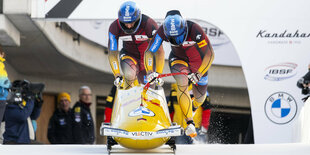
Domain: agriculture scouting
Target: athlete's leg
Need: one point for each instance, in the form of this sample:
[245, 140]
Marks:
[183, 95]
[141, 75]
[130, 69]
[200, 91]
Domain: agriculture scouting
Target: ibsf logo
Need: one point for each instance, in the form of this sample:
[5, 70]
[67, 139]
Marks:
[280, 108]
[280, 71]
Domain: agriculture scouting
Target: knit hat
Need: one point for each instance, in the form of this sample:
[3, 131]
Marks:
[65, 95]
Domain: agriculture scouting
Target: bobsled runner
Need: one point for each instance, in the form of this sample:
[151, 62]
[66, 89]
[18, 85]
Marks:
[140, 119]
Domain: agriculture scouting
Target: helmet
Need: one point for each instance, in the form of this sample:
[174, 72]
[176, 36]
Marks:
[175, 27]
[129, 13]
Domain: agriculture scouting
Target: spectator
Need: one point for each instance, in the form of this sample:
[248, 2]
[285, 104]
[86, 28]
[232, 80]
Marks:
[4, 85]
[83, 124]
[60, 124]
[22, 106]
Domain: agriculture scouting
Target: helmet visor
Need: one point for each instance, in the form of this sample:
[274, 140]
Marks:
[131, 30]
[177, 40]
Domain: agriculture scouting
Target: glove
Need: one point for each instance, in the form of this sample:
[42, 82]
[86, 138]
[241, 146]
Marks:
[194, 77]
[152, 78]
[118, 81]
[159, 82]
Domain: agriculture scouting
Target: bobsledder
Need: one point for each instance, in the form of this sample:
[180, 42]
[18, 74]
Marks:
[140, 119]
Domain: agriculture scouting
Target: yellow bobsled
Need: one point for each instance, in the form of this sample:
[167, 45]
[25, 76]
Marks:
[140, 119]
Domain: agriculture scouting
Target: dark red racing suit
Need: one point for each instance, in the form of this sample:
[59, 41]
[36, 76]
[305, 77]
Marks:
[194, 55]
[134, 45]
[192, 51]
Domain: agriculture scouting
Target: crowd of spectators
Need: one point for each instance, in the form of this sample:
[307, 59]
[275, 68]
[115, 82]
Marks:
[72, 126]
[66, 126]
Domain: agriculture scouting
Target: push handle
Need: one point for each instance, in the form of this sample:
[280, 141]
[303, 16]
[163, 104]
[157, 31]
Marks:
[146, 87]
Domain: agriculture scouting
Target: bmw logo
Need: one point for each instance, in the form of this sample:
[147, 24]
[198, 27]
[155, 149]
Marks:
[280, 108]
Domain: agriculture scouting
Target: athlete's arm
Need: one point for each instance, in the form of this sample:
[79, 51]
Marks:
[205, 45]
[207, 60]
[159, 55]
[148, 61]
[113, 54]
[160, 59]
[154, 51]
[114, 63]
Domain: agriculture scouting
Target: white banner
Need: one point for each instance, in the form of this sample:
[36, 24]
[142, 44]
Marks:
[274, 57]
[97, 31]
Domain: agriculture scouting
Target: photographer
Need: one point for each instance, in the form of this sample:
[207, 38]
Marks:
[302, 126]
[24, 101]
[304, 83]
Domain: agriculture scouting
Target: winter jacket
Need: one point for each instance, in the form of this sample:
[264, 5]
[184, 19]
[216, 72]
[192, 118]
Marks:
[60, 127]
[83, 124]
[16, 125]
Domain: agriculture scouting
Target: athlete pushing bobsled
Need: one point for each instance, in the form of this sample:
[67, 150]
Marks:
[140, 118]
[191, 54]
[135, 30]
[142, 121]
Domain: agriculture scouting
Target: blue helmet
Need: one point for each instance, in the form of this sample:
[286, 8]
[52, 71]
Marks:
[175, 27]
[129, 13]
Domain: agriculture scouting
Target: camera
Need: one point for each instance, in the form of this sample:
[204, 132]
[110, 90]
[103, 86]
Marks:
[300, 84]
[24, 90]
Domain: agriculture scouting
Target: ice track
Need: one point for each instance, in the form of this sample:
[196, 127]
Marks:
[202, 149]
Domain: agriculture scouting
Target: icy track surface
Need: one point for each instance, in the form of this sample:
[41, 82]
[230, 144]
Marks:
[203, 149]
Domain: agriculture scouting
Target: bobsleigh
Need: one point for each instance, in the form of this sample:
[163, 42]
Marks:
[140, 119]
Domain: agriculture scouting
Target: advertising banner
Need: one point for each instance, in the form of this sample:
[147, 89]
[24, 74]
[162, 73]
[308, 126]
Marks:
[97, 31]
[275, 57]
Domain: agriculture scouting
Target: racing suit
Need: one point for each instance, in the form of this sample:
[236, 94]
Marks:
[132, 54]
[195, 55]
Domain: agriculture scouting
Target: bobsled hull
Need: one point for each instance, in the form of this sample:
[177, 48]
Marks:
[141, 139]
[141, 121]
[141, 135]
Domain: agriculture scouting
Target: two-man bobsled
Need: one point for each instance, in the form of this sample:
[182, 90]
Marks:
[140, 119]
